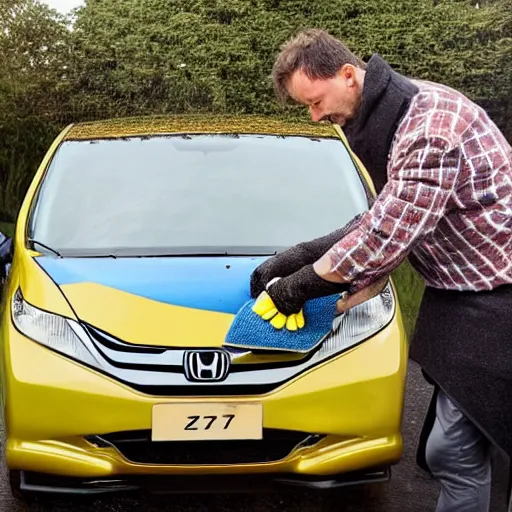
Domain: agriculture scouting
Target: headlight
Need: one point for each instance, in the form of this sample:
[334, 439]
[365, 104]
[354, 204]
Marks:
[359, 323]
[55, 332]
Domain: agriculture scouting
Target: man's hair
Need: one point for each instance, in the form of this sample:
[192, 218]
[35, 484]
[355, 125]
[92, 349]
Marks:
[314, 51]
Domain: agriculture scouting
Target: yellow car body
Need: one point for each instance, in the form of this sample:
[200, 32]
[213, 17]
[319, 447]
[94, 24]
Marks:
[96, 392]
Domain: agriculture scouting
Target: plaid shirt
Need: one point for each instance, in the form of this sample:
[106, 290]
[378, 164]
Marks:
[447, 203]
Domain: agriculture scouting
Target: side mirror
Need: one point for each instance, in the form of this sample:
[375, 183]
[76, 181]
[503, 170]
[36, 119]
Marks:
[5, 256]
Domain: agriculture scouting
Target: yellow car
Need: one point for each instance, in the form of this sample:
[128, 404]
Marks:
[132, 254]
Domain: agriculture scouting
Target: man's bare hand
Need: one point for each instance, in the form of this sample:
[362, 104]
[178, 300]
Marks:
[362, 296]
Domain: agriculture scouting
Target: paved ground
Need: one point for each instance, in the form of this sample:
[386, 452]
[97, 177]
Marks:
[410, 490]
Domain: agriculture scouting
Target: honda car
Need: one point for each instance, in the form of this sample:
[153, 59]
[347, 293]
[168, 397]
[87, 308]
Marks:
[131, 257]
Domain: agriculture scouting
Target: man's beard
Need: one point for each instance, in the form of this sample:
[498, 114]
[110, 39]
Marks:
[355, 112]
[342, 119]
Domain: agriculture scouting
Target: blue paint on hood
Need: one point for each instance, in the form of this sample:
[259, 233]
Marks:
[209, 283]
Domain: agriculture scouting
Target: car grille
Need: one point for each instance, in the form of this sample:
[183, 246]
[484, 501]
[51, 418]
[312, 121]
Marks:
[138, 447]
[160, 371]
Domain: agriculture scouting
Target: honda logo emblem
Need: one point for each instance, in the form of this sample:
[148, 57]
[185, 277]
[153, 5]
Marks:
[207, 365]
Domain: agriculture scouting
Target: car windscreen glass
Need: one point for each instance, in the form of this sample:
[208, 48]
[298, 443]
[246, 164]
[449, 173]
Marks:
[194, 194]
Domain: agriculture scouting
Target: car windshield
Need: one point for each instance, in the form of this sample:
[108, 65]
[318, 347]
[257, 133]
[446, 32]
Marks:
[194, 194]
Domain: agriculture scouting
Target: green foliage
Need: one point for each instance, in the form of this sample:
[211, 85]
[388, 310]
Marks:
[7, 229]
[494, 28]
[133, 57]
[181, 56]
[33, 51]
[410, 287]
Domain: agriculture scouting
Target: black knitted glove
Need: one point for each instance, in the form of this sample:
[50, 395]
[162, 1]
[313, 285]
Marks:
[296, 257]
[290, 293]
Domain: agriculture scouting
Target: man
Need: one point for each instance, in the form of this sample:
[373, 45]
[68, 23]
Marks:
[443, 172]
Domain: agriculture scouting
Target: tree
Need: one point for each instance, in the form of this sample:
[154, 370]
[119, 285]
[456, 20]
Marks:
[130, 57]
[137, 56]
[33, 52]
[157, 56]
[494, 31]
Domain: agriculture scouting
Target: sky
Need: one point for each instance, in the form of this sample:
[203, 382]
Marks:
[63, 6]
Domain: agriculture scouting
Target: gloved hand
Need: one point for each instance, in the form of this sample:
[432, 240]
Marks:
[265, 307]
[283, 301]
[295, 258]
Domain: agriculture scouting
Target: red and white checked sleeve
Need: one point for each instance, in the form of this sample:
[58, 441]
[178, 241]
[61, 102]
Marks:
[409, 207]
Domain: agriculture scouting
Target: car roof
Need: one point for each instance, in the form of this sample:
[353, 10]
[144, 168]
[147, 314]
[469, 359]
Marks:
[196, 124]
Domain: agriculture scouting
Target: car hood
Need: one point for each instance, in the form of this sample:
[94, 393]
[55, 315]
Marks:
[170, 301]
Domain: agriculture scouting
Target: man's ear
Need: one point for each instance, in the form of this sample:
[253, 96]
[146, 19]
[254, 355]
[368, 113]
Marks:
[348, 73]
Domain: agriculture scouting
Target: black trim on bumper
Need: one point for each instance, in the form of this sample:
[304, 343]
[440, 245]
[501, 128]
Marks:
[136, 446]
[180, 484]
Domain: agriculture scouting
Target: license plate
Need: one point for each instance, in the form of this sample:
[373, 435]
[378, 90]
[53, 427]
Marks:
[207, 421]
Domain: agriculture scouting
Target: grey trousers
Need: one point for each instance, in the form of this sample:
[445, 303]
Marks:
[459, 457]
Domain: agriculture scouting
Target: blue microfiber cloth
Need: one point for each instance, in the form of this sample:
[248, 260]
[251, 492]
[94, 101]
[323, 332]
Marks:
[250, 331]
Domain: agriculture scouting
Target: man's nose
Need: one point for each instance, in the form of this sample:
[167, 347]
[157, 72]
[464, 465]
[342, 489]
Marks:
[315, 115]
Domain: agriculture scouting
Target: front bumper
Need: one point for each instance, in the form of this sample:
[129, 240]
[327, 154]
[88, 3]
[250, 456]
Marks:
[56, 411]
[177, 484]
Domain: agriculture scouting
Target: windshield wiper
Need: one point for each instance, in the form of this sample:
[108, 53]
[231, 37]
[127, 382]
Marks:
[33, 243]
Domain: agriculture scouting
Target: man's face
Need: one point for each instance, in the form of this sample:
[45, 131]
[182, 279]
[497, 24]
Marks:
[333, 99]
